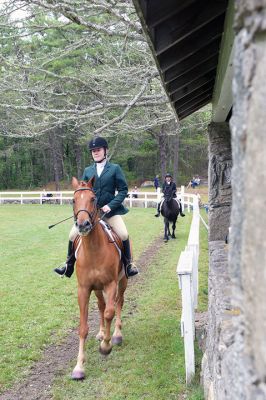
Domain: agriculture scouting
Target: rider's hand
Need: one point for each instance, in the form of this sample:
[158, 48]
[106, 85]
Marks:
[106, 209]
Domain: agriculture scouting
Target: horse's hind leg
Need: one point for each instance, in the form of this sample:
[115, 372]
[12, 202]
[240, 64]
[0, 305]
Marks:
[83, 300]
[101, 307]
[117, 337]
[109, 312]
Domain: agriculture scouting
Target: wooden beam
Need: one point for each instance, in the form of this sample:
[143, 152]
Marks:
[194, 86]
[193, 93]
[193, 109]
[191, 44]
[192, 97]
[188, 78]
[188, 21]
[193, 103]
[193, 74]
[198, 58]
[159, 11]
[223, 97]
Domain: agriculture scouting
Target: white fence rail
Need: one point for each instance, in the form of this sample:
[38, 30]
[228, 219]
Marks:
[139, 199]
[187, 271]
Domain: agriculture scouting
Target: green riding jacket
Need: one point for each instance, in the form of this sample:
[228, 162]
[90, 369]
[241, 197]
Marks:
[111, 180]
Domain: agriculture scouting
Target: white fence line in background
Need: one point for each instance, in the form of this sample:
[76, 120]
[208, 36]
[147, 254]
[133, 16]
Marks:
[145, 199]
[187, 271]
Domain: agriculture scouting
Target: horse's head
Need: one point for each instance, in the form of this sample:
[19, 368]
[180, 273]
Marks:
[84, 205]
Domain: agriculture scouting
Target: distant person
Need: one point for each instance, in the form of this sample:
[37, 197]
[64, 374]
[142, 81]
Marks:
[169, 187]
[197, 181]
[135, 193]
[156, 182]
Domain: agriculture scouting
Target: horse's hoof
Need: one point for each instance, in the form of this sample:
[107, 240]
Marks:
[99, 337]
[78, 375]
[105, 350]
[165, 240]
[117, 340]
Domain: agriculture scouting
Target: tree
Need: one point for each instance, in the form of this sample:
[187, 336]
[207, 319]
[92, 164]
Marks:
[73, 69]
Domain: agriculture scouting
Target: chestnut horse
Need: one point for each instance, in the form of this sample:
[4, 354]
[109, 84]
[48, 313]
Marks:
[99, 269]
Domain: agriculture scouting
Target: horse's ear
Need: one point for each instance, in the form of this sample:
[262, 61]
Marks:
[75, 183]
[91, 182]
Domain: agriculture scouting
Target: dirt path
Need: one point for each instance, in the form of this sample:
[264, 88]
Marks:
[56, 357]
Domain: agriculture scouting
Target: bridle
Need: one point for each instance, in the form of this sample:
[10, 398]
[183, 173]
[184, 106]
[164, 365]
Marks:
[92, 215]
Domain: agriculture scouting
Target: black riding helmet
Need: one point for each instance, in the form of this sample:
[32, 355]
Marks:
[97, 142]
[168, 176]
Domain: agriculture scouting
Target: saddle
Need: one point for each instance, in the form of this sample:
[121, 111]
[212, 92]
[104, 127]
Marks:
[112, 236]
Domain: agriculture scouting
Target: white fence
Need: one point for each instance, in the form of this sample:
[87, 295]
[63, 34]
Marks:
[187, 270]
[134, 199]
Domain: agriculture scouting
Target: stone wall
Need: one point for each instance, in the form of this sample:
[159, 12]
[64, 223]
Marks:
[220, 192]
[247, 262]
[234, 364]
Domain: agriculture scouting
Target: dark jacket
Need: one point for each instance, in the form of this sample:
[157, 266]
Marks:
[111, 179]
[156, 183]
[168, 189]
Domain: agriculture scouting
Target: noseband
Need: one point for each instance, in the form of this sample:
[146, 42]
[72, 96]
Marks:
[91, 215]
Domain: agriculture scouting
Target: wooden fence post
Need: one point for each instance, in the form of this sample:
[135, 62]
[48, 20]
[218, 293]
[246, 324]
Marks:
[184, 271]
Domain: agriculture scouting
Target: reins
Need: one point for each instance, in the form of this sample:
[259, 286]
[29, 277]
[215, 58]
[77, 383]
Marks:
[91, 215]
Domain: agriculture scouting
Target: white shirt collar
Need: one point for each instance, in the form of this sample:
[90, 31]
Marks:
[100, 166]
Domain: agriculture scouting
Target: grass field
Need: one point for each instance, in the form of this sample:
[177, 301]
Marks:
[37, 309]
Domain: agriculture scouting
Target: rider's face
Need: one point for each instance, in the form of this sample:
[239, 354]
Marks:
[168, 179]
[98, 154]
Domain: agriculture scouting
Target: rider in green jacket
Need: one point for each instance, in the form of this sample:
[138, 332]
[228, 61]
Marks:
[111, 189]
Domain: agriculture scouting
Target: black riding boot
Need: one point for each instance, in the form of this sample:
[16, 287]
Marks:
[130, 268]
[158, 210]
[68, 268]
[180, 209]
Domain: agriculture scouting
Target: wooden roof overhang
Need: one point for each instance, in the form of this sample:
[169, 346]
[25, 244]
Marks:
[185, 38]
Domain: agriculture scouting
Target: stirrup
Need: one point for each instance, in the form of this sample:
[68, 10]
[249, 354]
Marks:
[61, 270]
[131, 270]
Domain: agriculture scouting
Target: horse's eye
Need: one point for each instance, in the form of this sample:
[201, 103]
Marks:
[73, 201]
[92, 199]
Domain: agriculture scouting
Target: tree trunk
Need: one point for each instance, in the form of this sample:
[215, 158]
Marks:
[162, 150]
[176, 154]
[78, 157]
[52, 142]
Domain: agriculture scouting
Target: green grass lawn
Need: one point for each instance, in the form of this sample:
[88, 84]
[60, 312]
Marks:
[35, 303]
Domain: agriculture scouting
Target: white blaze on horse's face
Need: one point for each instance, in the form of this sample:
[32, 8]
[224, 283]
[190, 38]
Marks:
[85, 210]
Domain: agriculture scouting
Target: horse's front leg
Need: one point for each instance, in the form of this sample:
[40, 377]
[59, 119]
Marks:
[117, 337]
[173, 229]
[83, 300]
[166, 230]
[101, 307]
[109, 312]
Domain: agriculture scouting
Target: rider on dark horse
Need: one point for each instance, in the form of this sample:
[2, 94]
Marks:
[169, 190]
[111, 189]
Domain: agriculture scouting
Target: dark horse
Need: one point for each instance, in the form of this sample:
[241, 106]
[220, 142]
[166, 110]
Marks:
[169, 210]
